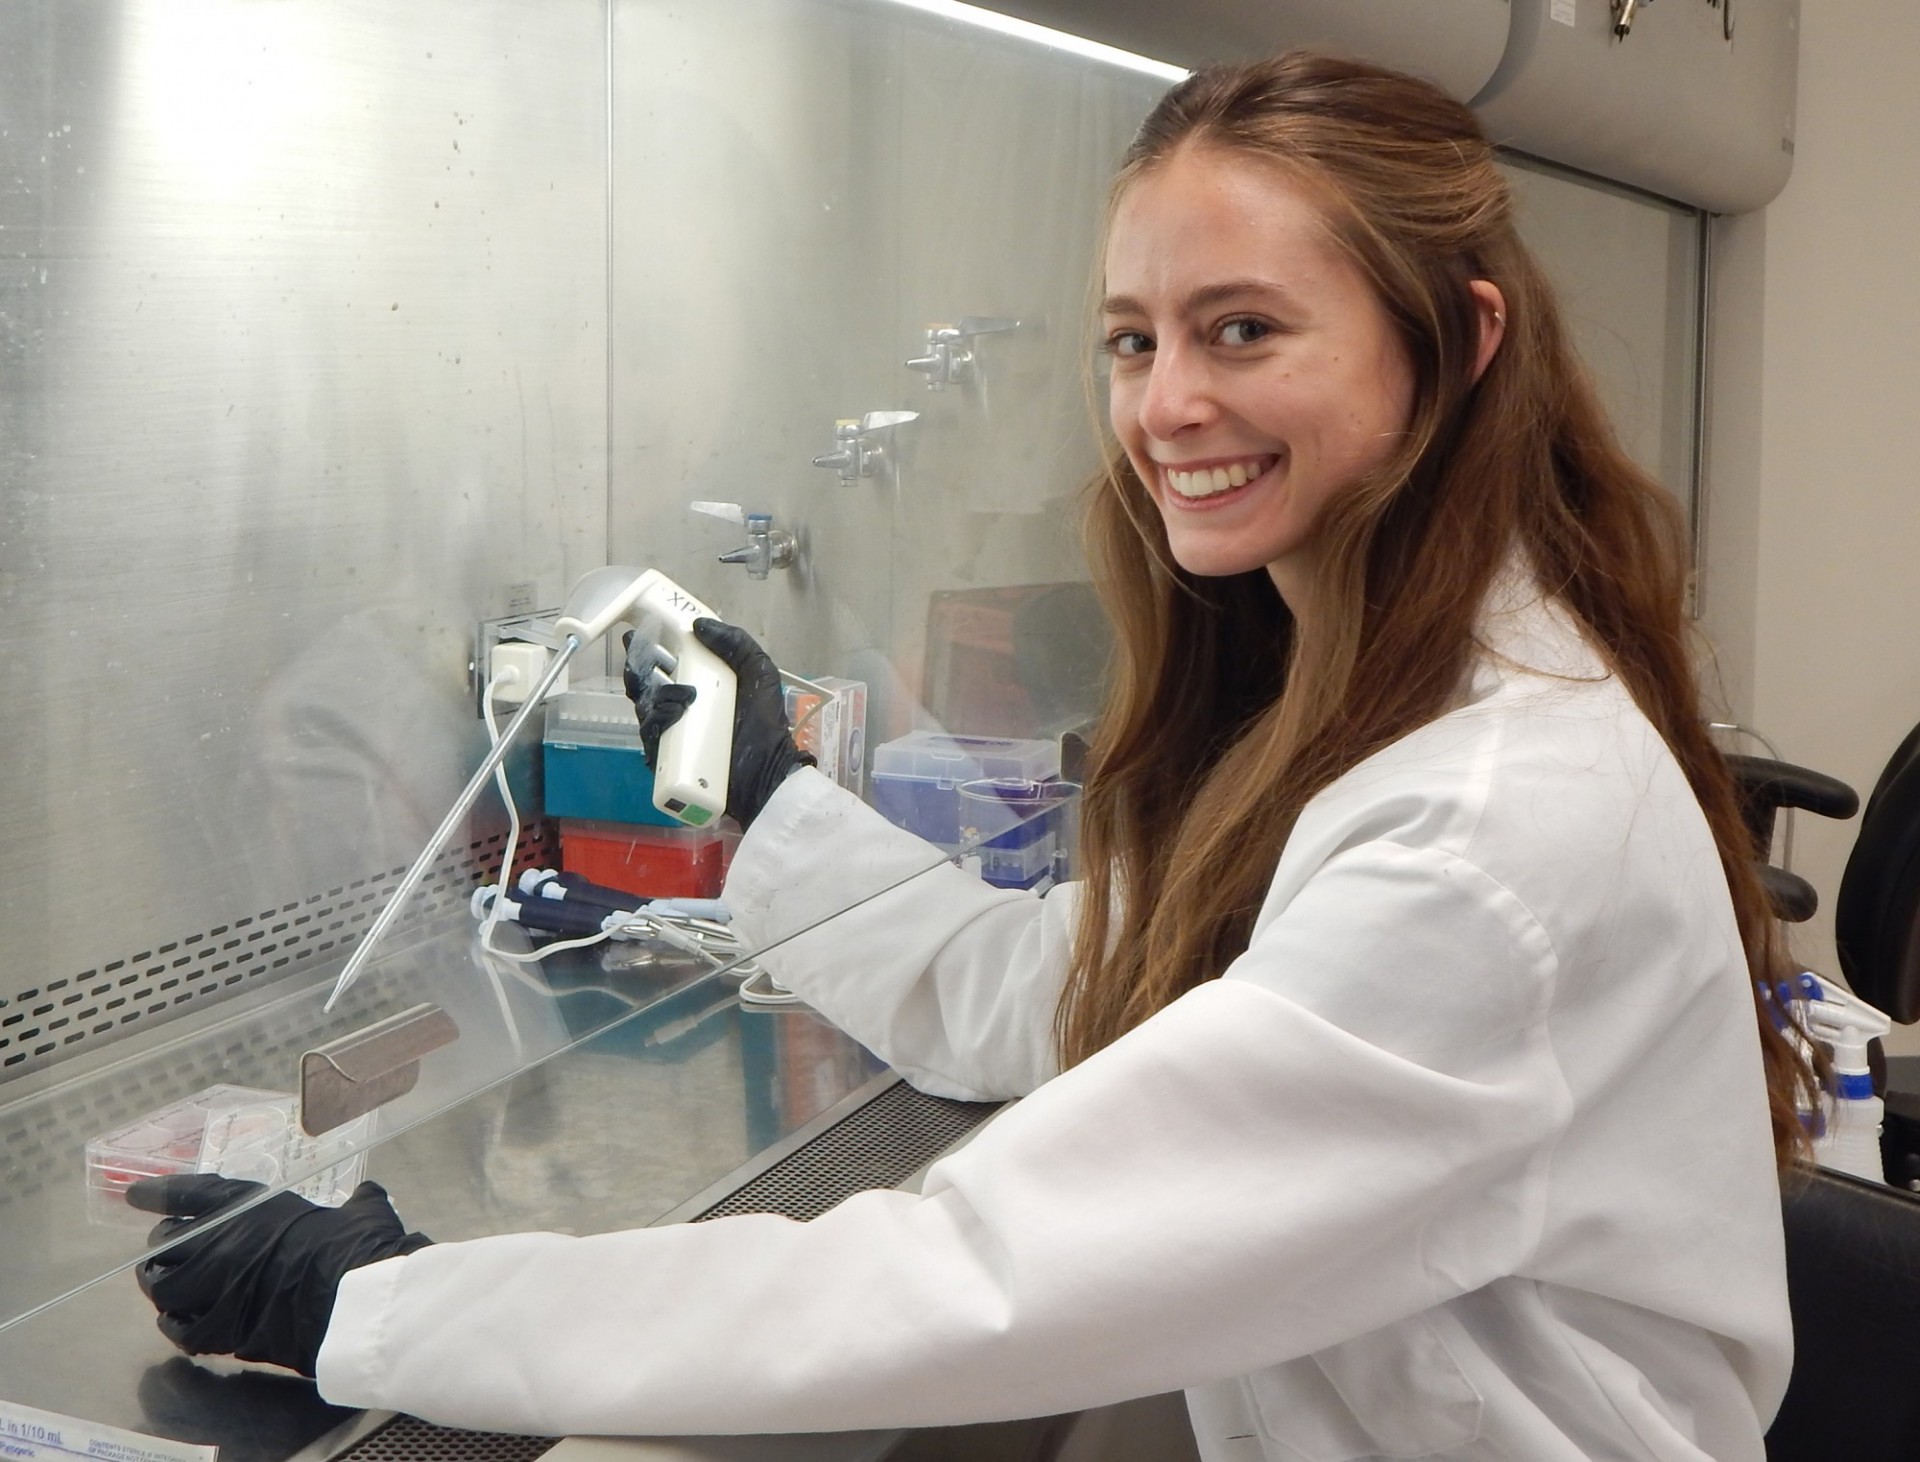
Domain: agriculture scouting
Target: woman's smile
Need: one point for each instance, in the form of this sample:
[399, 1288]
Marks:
[1197, 483]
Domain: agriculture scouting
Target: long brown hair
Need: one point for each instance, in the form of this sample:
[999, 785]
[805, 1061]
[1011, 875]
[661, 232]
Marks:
[1224, 716]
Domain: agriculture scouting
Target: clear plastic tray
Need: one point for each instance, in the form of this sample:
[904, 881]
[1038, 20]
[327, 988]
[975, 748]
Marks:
[261, 1138]
[236, 1131]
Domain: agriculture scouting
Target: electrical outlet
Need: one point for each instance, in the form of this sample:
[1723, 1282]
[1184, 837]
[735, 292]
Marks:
[534, 628]
[517, 667]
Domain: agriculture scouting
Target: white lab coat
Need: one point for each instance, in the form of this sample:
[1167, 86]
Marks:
[1467, 1156]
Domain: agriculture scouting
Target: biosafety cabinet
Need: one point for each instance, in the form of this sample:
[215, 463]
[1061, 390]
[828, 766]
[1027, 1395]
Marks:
[338, 341]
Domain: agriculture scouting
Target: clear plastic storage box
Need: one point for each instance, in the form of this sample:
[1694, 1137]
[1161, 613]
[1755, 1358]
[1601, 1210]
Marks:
[997, 798]
[1015, 827]
[917, 777]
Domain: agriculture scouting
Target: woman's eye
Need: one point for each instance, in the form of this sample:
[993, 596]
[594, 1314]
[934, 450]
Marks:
[1244, 332]
[1125, 344]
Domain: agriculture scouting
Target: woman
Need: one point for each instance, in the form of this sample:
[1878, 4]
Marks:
[1396, 1080]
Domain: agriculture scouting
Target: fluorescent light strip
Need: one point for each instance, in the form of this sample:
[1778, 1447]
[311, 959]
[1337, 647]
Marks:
[1040, 35]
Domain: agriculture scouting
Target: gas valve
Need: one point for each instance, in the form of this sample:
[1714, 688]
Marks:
[860, 450]
[949, 359]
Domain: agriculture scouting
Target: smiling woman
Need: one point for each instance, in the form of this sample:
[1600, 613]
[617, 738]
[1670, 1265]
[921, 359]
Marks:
[1314, 284]
[1255, 372]
[1416, 902]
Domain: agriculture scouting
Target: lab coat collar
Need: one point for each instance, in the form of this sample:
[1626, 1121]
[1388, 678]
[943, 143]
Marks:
[1524, 630]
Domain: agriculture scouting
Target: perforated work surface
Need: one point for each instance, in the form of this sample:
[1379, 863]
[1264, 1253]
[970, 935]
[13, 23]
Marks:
[880, 1145]
[405, 1439]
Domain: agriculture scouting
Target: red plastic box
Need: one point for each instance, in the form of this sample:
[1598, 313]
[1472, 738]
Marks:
[654, 862]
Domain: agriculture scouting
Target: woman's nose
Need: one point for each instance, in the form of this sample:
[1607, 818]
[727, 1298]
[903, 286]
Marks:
[1178, 395]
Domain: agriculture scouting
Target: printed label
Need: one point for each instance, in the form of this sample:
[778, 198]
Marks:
[27, 1435]
[1562, 11]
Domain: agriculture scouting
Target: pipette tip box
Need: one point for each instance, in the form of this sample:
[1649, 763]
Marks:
[652, 862]
[591, 762]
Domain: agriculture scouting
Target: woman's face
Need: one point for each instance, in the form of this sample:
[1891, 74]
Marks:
[1255, 374]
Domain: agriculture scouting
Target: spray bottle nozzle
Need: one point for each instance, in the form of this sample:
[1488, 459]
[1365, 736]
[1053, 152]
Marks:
[1844, 1022]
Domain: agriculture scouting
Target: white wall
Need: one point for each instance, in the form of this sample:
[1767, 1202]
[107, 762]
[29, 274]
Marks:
[1812, 579]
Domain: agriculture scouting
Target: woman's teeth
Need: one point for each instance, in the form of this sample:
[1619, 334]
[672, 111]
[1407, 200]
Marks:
[1207, 481]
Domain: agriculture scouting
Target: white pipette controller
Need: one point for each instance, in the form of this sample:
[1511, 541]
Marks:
[690, 772]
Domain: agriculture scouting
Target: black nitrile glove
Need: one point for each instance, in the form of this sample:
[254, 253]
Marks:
[261, 1285]
[656, 701]
[764, 755]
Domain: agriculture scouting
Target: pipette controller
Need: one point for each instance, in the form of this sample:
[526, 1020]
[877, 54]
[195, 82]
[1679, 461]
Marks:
[690, 771]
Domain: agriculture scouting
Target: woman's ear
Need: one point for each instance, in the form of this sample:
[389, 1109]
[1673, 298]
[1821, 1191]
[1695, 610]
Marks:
[1492, 308]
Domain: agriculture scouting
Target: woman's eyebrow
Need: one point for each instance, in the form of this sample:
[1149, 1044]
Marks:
[1205, 296]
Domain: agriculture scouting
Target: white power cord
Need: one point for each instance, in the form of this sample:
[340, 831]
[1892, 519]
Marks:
[501, 676]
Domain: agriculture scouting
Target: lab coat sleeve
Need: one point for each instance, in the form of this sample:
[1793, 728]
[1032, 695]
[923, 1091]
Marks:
[951, 981]
[1241, 1180]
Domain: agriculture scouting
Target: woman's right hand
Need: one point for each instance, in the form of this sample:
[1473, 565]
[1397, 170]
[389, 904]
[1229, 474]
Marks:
[763, 754]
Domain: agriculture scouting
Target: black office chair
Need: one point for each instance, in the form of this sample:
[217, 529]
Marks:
[1877, 918]
[1853, 1279]
[1877, 912]
[1853, 1247]
[1877, 933]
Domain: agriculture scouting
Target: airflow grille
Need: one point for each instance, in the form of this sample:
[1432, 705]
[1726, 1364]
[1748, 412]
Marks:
[407, 1439]
[45, 1023]
[879, 1145]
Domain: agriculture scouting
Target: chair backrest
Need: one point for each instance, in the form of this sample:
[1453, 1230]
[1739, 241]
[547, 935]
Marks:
[1877, 915]
[1853, 1277]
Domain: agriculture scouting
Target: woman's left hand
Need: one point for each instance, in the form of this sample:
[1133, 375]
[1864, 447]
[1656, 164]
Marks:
[260, 1285]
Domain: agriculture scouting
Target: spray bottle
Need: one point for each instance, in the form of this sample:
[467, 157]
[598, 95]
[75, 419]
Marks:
[1848, 1140]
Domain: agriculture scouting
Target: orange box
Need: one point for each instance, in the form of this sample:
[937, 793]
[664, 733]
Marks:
[654, 862]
